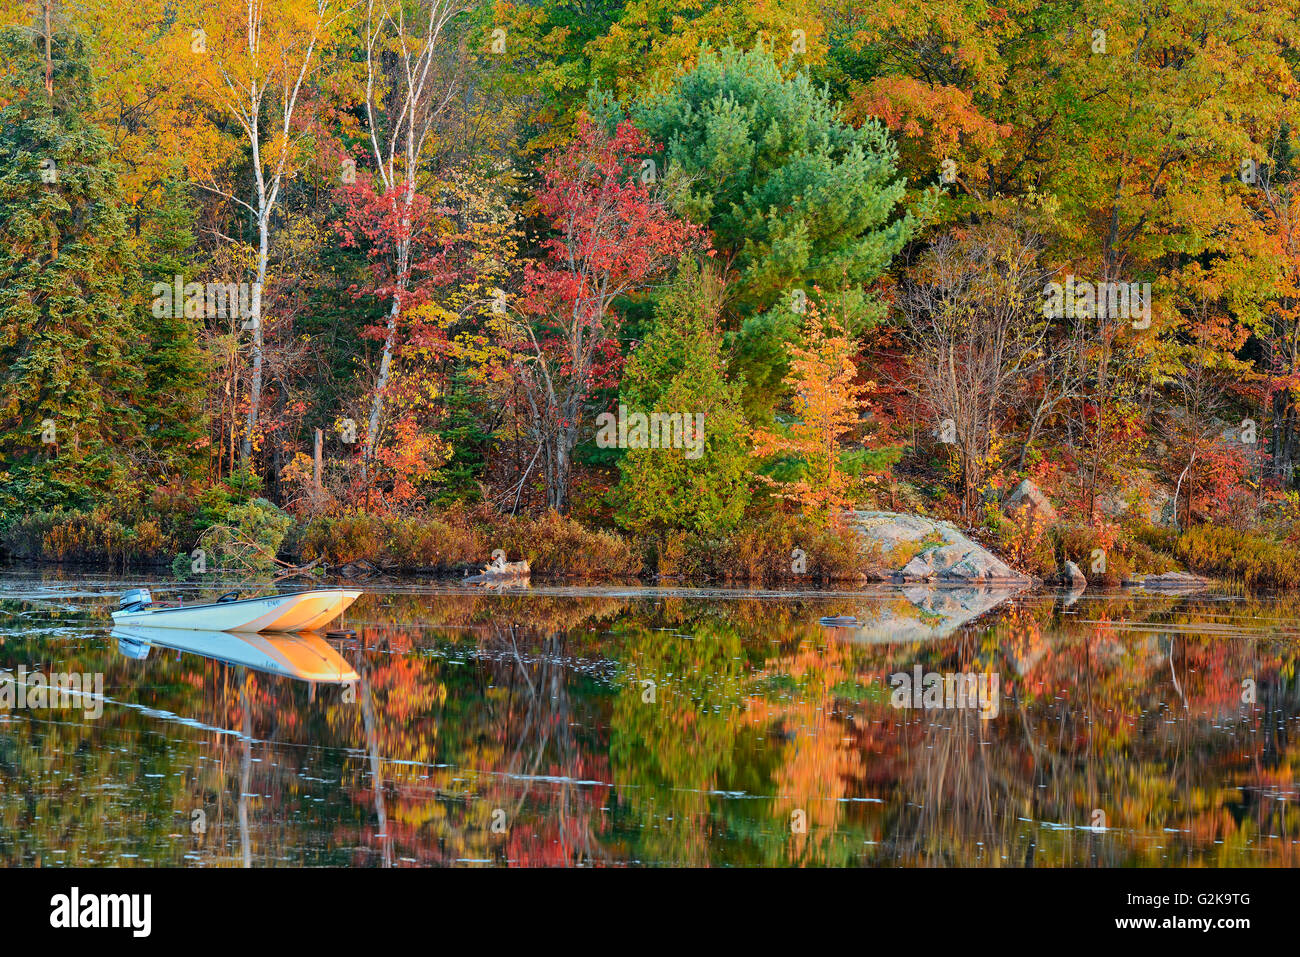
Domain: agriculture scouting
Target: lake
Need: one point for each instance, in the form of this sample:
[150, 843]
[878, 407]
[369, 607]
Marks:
[633, 726]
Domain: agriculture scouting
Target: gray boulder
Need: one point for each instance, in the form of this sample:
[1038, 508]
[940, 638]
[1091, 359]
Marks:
[1028, 497]
[1175, 582]
[918, 549]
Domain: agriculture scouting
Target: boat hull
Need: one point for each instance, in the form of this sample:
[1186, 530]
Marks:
[300, 611]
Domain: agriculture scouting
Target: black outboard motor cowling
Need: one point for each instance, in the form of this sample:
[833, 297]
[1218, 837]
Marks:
[135, 600]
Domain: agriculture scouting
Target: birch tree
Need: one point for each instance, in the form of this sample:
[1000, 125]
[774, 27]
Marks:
[260, 57]
[407, 90]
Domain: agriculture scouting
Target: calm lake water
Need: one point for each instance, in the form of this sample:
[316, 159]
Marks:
[632, 726]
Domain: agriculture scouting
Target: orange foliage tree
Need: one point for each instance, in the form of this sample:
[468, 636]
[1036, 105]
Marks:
[810, 462]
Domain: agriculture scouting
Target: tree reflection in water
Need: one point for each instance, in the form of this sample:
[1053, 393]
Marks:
[661, 728]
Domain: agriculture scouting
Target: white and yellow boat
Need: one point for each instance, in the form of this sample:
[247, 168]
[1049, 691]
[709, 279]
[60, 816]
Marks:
[295, 611]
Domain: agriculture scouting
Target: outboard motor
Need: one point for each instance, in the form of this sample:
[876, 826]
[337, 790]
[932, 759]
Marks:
[135, 600]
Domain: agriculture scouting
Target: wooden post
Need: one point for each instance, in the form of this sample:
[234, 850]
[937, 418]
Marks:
[319, 440]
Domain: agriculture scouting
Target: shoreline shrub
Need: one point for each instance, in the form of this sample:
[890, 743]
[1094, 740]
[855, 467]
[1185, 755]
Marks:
[86, 538]
[1242, 558]
[248, 540]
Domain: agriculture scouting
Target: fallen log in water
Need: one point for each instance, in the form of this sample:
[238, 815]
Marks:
[501, 572]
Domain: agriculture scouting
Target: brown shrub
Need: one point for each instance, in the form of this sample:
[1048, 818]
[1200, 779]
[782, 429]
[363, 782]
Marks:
[455, 540]
[768, 552]
[557, 545]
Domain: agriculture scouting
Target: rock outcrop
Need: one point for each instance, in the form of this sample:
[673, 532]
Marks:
[1028, 497]
[918, 549]
[1073, 577]
[1142, 495]
[1176, 582]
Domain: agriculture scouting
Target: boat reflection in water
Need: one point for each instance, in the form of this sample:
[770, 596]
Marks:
[304, 656]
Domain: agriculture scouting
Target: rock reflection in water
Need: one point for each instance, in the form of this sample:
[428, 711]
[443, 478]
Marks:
[928, 612]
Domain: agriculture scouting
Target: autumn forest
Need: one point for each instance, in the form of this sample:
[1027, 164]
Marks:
[663, 287]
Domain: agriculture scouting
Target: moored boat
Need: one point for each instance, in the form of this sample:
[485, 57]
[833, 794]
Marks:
[295, 611]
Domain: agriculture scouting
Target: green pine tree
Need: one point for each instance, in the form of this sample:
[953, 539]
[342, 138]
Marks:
[464, 432]
[66, 384]
[174, 364]
[680, 369]
[796, 198]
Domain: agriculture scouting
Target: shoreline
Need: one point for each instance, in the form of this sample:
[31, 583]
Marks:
[776, 548]
[543, 583]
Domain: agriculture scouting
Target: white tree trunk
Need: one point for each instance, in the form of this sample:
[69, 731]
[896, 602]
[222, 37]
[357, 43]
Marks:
[255, 385]
[390, 337]
[381, 385]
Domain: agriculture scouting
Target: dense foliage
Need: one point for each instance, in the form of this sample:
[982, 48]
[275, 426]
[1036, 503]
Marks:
[401, 259]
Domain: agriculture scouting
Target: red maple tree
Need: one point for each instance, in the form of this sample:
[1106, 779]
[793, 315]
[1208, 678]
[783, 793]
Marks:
[410, 250]
[613, 235]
